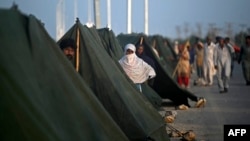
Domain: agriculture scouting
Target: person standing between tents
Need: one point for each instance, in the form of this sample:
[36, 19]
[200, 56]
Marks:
[232, 51]
[183, 67]
[136, 69]
[222, 63]
[208, 62]
[183, 74]
[141, 54]
[244, 59]
[68, 47]
[199, 55]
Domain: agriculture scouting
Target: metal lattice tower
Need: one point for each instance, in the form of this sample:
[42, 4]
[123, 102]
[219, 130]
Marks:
[212, 30]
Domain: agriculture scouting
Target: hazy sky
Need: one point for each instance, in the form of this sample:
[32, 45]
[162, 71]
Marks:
[164, 15]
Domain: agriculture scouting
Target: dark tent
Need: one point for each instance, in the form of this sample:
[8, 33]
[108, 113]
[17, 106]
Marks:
[110, 43]
[115, 51]
[42, 97]
[167, 43]
[164, 84]
[138, 119]
[166, 53]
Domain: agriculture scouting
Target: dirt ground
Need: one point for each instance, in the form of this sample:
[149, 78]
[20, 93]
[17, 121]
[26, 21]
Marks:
[221, 109]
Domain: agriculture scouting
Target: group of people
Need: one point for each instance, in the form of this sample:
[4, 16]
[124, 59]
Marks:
[136, 64]
[140, 68]
[212, 59]
[204, 62]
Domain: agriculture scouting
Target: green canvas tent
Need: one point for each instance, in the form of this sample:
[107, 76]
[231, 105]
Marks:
[42, 97]
[164, 84]
[166, 53]
[110, 43]
[135, 115]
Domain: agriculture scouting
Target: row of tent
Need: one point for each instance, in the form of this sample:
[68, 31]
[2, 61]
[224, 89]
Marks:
[43, 97]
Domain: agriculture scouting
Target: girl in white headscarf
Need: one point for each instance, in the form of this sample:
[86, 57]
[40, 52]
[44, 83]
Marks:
[136, 69]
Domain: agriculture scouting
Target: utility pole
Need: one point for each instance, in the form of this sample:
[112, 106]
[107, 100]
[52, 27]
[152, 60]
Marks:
[199, 31]
[89, 23]
[97, 13]
[212, 30]
[186, 30]
[178, 32]
[242, 32]
[129, 16]
[109, 14]
[146, 17]
[60, 19]
[229, 31]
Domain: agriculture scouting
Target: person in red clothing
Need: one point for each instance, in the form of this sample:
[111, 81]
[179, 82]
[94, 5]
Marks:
[183, 70]
[236, 49]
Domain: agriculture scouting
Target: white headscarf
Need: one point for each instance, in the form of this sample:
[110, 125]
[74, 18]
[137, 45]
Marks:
[136, 69]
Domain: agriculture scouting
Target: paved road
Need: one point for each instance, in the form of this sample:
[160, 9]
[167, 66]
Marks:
[230, 108]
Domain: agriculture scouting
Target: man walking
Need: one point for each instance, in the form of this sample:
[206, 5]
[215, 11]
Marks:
[199, 56]
[208, 62]
[232, 51]
[222, 63]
